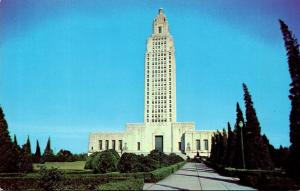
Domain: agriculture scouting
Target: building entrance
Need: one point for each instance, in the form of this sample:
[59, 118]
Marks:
[159, 143]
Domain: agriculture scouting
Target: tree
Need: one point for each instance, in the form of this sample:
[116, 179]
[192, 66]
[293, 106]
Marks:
[257, 154]
[27, 147]
[231, 144]
[223, 149]
[8, 156]
[238, 156]
[37, 155]
[48, 155]
[292, 49]
[64, 156]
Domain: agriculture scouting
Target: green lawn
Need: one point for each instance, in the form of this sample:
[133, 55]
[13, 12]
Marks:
[77, 165]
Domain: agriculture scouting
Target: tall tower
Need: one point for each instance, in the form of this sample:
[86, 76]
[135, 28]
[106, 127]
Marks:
[160, 74]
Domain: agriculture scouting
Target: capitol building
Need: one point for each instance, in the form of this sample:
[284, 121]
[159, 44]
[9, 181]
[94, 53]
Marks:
[160, 129]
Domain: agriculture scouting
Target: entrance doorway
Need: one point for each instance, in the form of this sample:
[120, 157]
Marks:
[159, 143]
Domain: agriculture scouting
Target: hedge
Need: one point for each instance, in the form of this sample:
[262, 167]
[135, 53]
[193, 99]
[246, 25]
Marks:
[129, 184]
[163, 172]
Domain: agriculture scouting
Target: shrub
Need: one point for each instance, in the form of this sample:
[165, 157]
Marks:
[130, 162]
[50, 178]
[130, 184]
[149, 164]
[115, 153]
[158, 156]
[173, 159]
[88, 163]
[104, 162]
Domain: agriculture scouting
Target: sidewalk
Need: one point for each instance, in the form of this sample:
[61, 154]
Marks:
[196, 176]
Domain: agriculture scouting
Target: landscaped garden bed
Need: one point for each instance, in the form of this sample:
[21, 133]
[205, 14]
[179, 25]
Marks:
[131, 176]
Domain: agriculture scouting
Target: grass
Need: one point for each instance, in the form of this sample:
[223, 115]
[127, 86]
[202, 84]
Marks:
[76, 166]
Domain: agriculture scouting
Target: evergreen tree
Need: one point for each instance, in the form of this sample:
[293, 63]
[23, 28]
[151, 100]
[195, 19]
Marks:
[257, 154]
[37, 155]
[212, 156]
[48, 155]
[15, 144]
[27, 147]
[238, 156]
[223, 147]
[25, 158]
[292, 48]
[8, 156]
[231, 144]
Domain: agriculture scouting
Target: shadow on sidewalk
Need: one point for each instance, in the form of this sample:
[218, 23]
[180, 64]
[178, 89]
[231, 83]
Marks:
[210, 178]
[173, 187]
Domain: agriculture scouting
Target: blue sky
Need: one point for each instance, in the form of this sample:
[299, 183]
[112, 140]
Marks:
[68, 68]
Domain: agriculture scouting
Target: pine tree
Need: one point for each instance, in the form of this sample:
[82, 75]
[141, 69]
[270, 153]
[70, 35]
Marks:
[8, 156]
[257, 154]
[292, 48]
[37, 155]
[48, 155]
[231, 144]
[238, 157]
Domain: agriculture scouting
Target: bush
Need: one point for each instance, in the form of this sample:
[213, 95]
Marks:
[88, 163]
[130, 184]
[115, 153]
[173, 159]
[105, 162]
[158, 156]
[50, 178]
[130, 162]
[148, 164]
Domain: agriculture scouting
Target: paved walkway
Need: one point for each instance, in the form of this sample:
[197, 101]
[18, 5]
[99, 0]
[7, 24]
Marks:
[196, 176]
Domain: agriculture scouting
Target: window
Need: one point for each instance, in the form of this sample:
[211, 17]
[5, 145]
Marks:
[106, 144]
[113, 144]
[100, 144]
[198, 147]
[179, 146]
[205, 144]
[159, 29]
[120, 144]
[138, 146]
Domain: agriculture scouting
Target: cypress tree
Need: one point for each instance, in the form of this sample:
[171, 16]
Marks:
[37, 155]
[48, 155]
[292, 49]
[238, 156]
[224, 147]
[231, 144]
[212, 156]
[257, 154]
[8, 155]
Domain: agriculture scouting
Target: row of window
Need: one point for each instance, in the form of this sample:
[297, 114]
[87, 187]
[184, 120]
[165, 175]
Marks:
[198, 145]
[113, 145]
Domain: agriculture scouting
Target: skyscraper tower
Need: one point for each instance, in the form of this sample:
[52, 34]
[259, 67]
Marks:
[160, 130]
[160, 74]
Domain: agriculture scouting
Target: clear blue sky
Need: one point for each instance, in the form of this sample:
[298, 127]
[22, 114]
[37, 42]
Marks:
[70, 67]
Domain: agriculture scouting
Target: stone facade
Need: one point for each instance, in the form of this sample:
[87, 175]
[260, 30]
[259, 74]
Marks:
[160, 129]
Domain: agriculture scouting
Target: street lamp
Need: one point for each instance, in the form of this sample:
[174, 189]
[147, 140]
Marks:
[241, 124]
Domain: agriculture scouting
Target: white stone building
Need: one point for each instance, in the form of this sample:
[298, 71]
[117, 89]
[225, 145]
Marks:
[160, 129]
